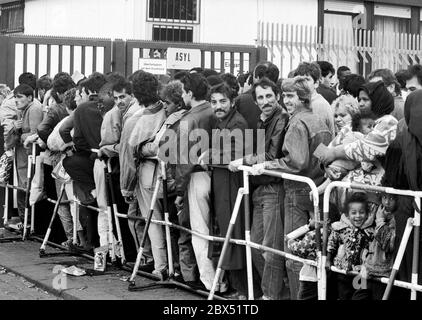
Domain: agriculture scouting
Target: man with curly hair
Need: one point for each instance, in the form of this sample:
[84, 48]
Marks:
[138, 174]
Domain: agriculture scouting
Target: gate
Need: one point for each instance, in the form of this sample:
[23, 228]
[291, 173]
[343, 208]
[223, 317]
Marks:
[361, 50]
[49, 55]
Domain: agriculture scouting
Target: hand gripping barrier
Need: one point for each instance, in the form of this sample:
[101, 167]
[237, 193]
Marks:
[244, 192]
[412, 223]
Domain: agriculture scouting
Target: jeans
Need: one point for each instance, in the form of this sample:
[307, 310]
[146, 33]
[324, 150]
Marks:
[155, 231]
[136, 228]
[297, 206]
[64, 212]
[308, 290]
[267, 229]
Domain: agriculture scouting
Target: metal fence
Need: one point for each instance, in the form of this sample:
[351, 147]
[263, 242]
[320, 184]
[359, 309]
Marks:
[362, 50]
[49, 55]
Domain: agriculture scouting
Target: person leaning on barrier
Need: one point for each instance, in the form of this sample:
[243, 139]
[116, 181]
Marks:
[138, 175]
[30, 116]
[184, 261]
[267, 220]
[56, 113]
[191, 178]
[111, 129]
[175, 108]
[304, 133]
[87, 120]
[225, 184]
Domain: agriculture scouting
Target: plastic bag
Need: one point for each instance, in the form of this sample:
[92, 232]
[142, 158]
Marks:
[37, 185]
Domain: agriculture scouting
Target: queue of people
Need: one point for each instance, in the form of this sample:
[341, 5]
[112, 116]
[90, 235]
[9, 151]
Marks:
[204, 126]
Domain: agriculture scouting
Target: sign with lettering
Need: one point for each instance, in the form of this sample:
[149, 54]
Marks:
[183, 59]
[154, 66]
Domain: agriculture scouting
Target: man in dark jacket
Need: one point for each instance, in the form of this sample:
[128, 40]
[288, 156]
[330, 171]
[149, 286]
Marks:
[304, 133]
[87, 121]
[245, 103]
[225, 184]
[196, 130]
[268, 216]
[324, 88]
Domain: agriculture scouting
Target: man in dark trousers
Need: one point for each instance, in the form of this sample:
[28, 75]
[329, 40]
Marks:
[268, 215]
[225, 184]
[87, 135]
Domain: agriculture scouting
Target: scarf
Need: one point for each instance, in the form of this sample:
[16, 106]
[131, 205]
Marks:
[381, 98]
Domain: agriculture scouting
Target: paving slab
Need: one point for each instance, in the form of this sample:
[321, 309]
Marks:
[22, 259]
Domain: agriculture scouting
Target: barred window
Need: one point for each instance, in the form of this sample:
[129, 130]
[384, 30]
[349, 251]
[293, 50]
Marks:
[172, 33]
[173, 11]
[11, 17]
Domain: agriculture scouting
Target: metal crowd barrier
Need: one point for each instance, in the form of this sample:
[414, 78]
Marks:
[243, 193]
[30, 172]
[412, 223]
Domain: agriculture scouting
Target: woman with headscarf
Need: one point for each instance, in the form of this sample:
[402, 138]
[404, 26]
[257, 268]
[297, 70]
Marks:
[403, 170]
[376, 102]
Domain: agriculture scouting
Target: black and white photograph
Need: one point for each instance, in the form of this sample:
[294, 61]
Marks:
[205, 156]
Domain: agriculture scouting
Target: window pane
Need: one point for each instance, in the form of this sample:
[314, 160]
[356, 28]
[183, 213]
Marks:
[173, 9]
[174, 34]
[11, 19]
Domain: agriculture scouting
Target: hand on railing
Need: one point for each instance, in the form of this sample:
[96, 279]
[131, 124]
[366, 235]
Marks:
[235, 164]
[29, 140]
[179, 203]
[106, 152]
[257, 169]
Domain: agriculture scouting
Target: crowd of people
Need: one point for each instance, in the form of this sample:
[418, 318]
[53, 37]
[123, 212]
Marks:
[357, 130]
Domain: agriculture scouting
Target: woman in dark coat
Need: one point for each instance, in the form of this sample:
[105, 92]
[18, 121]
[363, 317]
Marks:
[403, 167]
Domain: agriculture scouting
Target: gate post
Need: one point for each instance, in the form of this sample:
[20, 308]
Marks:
[7, 62]
[259, 54]
[119, 57]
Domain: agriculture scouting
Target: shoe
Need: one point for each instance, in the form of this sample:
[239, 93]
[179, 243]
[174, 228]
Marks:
[163, 275]
[67, 243]
[196, 285]
[79, 249]
[178, 277]
[146, 267]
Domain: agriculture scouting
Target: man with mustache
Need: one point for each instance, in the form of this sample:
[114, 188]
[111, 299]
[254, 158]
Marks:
[304, 133]
[225, 184]
[268, 216]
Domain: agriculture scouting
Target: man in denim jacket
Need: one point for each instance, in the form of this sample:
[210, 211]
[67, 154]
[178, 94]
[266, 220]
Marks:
[305, 131]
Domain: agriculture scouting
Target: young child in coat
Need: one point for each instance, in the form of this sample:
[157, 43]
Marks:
[349, 239]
